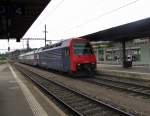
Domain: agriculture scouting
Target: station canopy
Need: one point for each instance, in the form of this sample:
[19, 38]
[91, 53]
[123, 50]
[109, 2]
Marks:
[130, 31]
[16, 16]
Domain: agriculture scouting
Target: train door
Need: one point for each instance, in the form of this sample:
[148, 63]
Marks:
[36, 59]
[66, 59]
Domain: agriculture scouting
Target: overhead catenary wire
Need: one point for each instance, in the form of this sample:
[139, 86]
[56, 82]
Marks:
[102, 15]
[49, 13]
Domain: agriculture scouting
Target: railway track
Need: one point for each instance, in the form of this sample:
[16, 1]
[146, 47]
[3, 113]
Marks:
[131, 87]
[77, 102]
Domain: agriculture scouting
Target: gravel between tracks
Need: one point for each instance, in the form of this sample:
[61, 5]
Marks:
[120, 99]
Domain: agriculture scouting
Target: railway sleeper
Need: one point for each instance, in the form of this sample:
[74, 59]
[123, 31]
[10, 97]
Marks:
[72, 100]
[84, 108]
[64, 96]
[60, 92]
[92, 111]
[79, 104]
[146, 91]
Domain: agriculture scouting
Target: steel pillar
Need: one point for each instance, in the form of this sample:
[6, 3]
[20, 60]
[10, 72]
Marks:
[123, 53]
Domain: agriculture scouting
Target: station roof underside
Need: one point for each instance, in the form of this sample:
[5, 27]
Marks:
[20, 14]
[126, 32]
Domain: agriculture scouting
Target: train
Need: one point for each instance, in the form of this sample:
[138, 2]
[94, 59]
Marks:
[74, 56]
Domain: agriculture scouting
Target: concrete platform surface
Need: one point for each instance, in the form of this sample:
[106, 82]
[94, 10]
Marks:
[18, 97]
[137, 72]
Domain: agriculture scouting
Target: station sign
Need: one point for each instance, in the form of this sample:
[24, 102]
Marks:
[2, 10]
[17, 10]
[12, 9]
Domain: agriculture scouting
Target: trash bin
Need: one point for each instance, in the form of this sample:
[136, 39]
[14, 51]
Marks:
[127, 64]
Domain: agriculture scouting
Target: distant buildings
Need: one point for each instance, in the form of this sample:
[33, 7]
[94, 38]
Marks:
[137, 50]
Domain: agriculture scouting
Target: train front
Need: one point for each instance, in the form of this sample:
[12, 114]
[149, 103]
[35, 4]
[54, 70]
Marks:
[83, 60]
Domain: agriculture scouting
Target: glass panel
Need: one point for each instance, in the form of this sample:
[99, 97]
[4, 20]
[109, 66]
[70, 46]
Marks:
[82, 48]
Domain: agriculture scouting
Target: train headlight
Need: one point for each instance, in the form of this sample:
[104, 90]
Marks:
[93, 63]
[78, 64]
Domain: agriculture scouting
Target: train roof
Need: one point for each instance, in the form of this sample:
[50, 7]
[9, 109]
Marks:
[62, 44]
[27, 53]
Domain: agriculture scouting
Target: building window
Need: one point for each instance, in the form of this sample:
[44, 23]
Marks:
[136, 54]
[101, 55]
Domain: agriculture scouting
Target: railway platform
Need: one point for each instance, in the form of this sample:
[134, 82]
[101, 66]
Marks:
[19, 97]
[135, 72]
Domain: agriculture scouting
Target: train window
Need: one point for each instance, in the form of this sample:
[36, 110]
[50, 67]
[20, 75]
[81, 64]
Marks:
[82, 48]
[66, 52]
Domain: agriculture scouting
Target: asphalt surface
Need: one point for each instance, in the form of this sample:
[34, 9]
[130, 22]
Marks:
[19, 97]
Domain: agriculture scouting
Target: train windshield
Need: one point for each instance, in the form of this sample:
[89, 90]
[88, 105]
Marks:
[82, 48]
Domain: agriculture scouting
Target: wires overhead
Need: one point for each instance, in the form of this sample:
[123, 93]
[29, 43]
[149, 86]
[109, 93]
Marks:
[104, 14]
[51, 12]
[47, 12]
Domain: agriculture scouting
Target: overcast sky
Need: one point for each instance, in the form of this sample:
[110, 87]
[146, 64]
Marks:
[74, 18]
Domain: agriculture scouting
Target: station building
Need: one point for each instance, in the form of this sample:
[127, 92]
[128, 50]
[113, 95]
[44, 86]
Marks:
[137, 50]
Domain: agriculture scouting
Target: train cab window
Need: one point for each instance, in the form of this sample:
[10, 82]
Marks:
[82, 48]
[66, 52]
